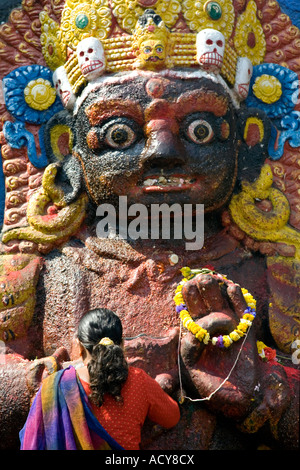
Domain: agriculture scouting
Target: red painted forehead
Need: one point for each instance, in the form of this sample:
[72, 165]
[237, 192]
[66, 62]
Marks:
[157, 98]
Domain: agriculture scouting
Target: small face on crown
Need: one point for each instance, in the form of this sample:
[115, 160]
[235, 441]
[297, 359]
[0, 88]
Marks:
[151, 42]
[152, 54]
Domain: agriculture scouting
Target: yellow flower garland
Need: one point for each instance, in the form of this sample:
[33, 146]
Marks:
[200, 333]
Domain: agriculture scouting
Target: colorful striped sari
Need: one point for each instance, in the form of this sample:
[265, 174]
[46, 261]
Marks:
[60, 418]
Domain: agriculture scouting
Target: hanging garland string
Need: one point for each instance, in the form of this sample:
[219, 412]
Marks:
[202, 334]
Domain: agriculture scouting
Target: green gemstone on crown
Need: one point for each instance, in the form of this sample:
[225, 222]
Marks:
[214, 10]
[81, 21]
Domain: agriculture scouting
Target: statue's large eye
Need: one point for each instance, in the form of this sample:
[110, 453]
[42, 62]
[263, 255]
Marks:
[200, 131]
[119, 134]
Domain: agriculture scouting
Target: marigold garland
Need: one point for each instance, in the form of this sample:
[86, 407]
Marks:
[200, 333]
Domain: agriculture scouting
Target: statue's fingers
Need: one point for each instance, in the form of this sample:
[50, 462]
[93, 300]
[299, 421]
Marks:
[237, 300]
[203, 295]
[193, 299]
[210, 292]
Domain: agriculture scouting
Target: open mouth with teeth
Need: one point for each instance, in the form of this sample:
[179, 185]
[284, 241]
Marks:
[167, 183]
[91, 66]
[211, 58]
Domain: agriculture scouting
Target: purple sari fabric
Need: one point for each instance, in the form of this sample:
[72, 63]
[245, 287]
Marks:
[61, 418]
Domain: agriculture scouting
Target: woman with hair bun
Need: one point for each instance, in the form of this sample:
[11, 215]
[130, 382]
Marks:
[101, 405]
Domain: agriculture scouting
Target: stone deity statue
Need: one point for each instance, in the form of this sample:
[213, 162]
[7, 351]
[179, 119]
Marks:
[119, 107]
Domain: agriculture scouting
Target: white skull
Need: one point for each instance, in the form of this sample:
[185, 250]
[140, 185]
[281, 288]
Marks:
[210, 45]
[244, 70]
[91, 58]
[63, 87]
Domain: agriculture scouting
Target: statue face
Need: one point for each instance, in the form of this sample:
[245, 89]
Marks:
[152, 54]
[158, 140]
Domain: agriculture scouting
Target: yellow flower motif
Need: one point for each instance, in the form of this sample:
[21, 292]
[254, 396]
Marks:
[248, 297]
[242, 327]
[227, 341]
[81, 19]
[186, 322]
[201, 334]
[248, 316]
[194, 328]
[201, 14]
[206, 338]
[267, 88]
[249, 39]
[252, 304]
[239, 331]
[39, 94]
[184, 314]
[260, 346]
[179, 288]
[186, 272]
[178, 298]
[234, 335]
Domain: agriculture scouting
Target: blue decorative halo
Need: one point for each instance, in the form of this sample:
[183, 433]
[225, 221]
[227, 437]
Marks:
[14, 85]
[289, 86]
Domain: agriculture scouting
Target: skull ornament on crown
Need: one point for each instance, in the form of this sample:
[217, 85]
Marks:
[91, 58]
[243, 76]
[210, 45]
[63, 88]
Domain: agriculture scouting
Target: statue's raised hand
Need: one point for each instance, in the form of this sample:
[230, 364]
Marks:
[220, 358]
[219, 320]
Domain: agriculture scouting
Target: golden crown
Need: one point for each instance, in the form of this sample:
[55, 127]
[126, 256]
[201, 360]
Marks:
[116, 24]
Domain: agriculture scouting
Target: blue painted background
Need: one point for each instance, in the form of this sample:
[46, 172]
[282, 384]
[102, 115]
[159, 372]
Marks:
[292, 9]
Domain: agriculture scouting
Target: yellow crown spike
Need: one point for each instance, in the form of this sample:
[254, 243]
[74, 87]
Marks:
[53, 46]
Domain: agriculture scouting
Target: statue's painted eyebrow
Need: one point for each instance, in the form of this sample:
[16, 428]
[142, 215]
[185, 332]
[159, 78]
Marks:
[201, 100]
[104, 109]
[189, 102]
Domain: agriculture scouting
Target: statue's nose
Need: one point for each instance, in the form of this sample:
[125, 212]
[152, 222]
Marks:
[163, 147]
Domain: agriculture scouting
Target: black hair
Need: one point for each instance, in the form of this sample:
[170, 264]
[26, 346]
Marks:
[149, 13]
[108, 369]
